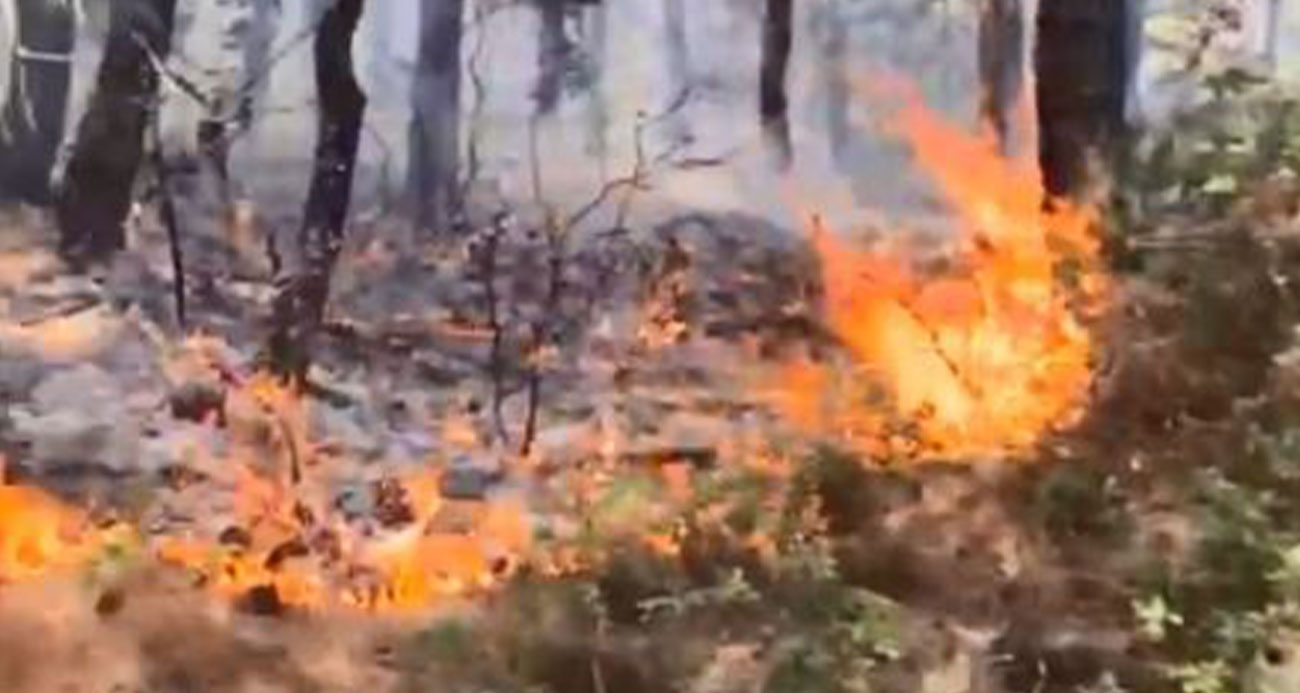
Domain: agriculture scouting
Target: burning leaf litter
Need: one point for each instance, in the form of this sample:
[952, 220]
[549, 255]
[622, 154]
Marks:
[978, 357]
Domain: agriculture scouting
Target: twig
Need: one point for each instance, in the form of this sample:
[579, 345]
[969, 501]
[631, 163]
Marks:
[491, 246]
[289, 47]
[637, 179]
[167, 209]
[159, 66]
[534, 159]
[543, 330]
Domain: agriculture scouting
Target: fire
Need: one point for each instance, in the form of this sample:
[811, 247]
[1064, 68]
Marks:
[41, 535]
[979, 356]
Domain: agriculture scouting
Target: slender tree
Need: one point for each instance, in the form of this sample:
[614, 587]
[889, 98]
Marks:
[96, 195]
[596, 37]
[1001, 64]
[31, 124]
[1082, 65]
[435, 123]
[299, 306]
[773, 103]
[835, 82]
[553, 49]
[679, 65]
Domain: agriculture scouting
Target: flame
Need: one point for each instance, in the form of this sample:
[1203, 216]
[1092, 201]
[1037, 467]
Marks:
[40, 535]
[979, 357]
[293, 541]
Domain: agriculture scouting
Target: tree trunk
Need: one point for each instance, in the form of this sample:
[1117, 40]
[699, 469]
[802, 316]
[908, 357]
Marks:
[596, 36]
[96, 194]
[835, 82]
[1001, 64]
[679, 67]
[1081, 64]
[773, 104]
[553, 48]
[31, 125]
[257, 54]
[435, 125]
[299, 307]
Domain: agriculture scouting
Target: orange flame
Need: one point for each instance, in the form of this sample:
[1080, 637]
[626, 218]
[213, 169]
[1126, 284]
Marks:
[980, 357]
[40, 535]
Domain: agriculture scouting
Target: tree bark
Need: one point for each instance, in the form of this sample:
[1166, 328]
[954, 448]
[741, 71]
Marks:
[32, 123]
[299, 306]
[553, 48]
[1001, 64]
[96, 193]
[1081, 62]
[773, 104]
[433, 169]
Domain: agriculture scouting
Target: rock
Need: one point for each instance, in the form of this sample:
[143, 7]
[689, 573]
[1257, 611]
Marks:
[470, 478]
[76, 417]
[354, 501]
[262, 600]
[182, 451]
[18, 376]
[392, 506]
[348, 430]
[198, 402]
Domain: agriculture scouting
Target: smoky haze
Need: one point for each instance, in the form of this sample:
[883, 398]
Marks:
[626, 60]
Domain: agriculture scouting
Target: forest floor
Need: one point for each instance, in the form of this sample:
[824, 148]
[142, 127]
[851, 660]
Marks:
[694, 541]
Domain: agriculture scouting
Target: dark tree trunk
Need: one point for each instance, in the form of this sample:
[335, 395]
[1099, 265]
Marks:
[299, 307]
[553, 49]
[31, 125]
[1001, 64]
[433, 168]
[773, 104]
[96, 194]
[1082, 68]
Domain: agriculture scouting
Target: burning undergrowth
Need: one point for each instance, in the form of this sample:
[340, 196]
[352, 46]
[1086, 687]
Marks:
[981, 347]
[977, 352]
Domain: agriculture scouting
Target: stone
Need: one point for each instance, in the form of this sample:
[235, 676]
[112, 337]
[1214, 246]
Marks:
[470, 478]
[76, 417]
[198, 402]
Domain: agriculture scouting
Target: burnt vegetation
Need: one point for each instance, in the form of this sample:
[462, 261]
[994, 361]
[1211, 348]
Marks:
[608, 422]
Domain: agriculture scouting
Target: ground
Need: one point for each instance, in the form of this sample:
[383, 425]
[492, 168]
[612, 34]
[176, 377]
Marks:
[681, 534]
